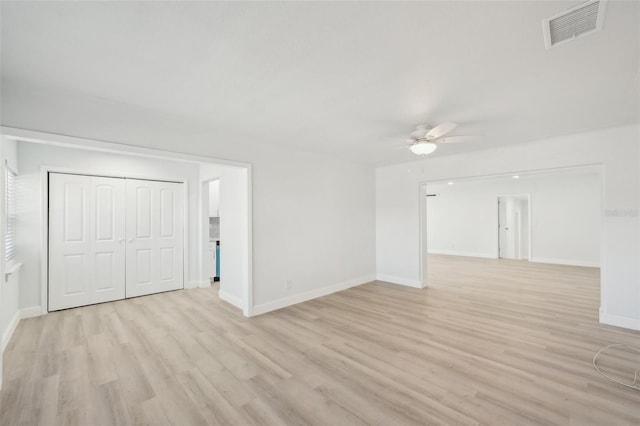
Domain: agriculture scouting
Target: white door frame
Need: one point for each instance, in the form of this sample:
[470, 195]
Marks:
[529, 228]
[132, 150]
[422, 214]
[44, 261]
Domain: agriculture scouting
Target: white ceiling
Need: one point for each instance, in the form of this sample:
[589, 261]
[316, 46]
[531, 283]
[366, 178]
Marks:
[349, 80]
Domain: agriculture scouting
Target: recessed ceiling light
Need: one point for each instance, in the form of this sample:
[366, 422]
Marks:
[449, 183]
[516, 177]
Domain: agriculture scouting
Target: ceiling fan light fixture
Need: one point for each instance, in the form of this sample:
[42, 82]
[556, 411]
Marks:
[423, 148]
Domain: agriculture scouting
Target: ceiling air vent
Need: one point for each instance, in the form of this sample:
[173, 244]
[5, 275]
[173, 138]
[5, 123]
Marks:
[578, 21]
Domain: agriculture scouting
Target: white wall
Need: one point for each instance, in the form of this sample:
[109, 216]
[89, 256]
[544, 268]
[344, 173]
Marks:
[234, 231]
[398, 200]
[314, 225]
[566, 216]
[567, 222]
[462, 221]
[313, 216]
[32, 156]
[214, 198]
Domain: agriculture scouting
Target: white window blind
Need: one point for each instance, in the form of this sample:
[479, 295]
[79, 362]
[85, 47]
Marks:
[10, 210]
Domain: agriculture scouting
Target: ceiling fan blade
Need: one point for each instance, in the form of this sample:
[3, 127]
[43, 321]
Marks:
[440, 131]
[458, 139]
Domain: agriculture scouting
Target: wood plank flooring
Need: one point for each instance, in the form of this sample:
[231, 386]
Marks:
[489, 342]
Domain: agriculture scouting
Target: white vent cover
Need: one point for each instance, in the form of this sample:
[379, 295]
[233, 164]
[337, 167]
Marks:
[578, 21]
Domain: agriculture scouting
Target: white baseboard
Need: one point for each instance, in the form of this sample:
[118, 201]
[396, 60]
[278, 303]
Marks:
[619, 321]
[464, 253]
[204, 284]
[33, 311]
[568, 262]
[11, 327]
[400, 281]
[230, 298]
[263, 308]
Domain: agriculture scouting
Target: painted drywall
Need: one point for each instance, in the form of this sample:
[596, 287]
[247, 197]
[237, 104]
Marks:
[567, 221]
[31, 158]
[315, 218]
[232, 184]
[214, 198]
[461, 221]
[10, 314]
[398, 244]
[566, 216]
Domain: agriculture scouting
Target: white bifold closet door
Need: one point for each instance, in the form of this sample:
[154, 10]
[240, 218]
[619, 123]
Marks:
[111, 238]
[155, 217]
[86, 240]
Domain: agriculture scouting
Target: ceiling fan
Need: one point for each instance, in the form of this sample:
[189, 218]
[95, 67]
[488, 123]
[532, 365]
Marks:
[424, 139]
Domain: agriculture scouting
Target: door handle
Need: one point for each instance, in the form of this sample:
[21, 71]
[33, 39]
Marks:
[121, 240]
[130, 240]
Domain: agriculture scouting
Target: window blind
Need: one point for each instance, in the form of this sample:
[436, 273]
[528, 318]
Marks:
[10, 210]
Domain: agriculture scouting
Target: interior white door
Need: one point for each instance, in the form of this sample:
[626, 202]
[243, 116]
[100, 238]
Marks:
[508, 227]
[502, 220]
[86, 240]
[155, 245]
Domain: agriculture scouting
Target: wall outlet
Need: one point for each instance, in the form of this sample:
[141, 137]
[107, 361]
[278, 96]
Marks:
[289, 284]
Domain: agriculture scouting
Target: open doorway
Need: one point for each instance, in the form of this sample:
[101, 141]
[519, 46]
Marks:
[551, 217]
[513, 227]
[212, 259]
[225, 232]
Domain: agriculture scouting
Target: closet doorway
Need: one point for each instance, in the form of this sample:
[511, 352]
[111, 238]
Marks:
[112, 238]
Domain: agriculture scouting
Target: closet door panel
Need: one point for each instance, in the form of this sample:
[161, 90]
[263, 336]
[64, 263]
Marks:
[170, 241]
[141, 245]
[86, 240]
[69, 241]
[107, 211]
[154, 237]
[112, 238]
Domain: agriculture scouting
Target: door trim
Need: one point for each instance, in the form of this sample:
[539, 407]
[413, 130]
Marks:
[44, 261]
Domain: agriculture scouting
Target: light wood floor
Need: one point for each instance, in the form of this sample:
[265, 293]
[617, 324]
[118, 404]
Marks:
[491, 342]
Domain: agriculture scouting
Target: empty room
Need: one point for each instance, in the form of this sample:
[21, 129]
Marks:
[324, 213]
